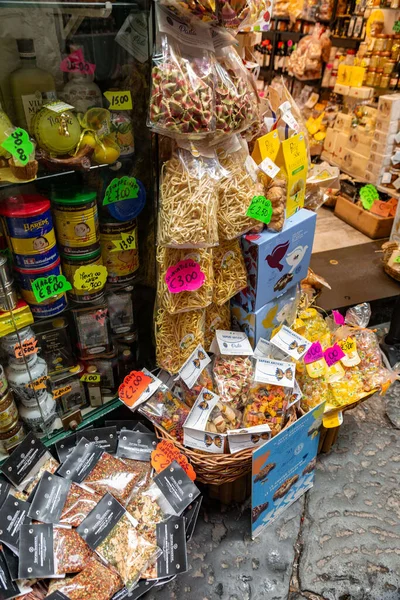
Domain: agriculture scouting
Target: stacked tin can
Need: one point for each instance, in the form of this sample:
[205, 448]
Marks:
[11, 428]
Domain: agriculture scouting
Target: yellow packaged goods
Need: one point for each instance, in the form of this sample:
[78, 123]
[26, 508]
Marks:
[179, 302]
[296, 164]
[349, 389]
[177, 336]
[217, 317]
[230, 275]
[314, 326]
[188, 202]
[314, 391]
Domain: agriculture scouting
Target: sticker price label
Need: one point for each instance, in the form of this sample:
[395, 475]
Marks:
[38, 384]
[46, 287]
[260, 209]
[123, 188]
[185, 276]
[128, 242]
[333, 354]
[90, 277]
[119, 100]
[133, 386]
[28, 347]
[314, 353]
[91, 378]
[61, 391]
[76, 63]
[19, 145]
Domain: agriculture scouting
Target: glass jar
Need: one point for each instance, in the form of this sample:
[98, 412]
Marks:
[380, 43]
[374, 62]
[385, 81]
[383, 58]
[395, 52]
[389, 42]
[20, 381]
[388, 67]
[378, 78]
[369, 81]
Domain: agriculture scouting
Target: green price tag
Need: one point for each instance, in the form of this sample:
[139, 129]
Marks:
[46, 287]
[397, 259]
[124, 188]
[396, 26]
[260, 209]
[368, 195]
[19, 145]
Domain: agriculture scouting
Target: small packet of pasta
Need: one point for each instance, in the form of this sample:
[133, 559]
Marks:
[217, 317]
[167, 411]
[230, 275]
[195, 374]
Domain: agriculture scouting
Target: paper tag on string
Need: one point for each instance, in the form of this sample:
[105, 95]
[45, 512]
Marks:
[260, 209]
[165, 453]
[290, 342]
[26, 348]
[333, 354]
[314, 353]
[269, 167]
[193, 367]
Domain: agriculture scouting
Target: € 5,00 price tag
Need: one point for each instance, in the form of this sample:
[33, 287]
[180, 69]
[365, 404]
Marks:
[46, 287]
[133, 387]
[260, 209]
[19, 145]
[119, 100]
[26, 348]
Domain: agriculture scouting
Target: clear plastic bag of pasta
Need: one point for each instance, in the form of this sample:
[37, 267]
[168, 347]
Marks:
[177, 336]
[223, 418]
[236, 190]
[240, 14]
[171, 265]
[205, 10]
[230, 275]
[233, 376]
[217, 317]
[167, 411]
[204, 380]
[266, 405]
[187, 215]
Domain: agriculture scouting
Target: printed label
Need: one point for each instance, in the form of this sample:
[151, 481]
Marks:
[133, 36]
[36, 554]
[24, 459]
[231, 343]
[65, 447]
[105, 438]
[292, 343]
[177, 488]
[119, 100]
[90, 277]
[122, 188]
[275, 372]
[194, 366]
[269, 167]
[193, 35]
[185, 276]
[101, 521]
[261, 209]
[251, 437]
[81, 461]
[171, 538]
[136, 445]
[8, 588]
[251, 168]
[263, 349]
[59, 107]
[50, 495]
[13, 514]
[19, 145]
[32, 103]
[133, 387]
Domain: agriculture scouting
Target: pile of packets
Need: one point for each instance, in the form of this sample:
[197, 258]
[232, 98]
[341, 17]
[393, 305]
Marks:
[241, 398]
[98, 523]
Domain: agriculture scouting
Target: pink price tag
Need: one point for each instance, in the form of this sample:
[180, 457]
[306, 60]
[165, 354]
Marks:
[333, 354]
[185, 276]
[314, 353]
[337, 317]
[75, 63]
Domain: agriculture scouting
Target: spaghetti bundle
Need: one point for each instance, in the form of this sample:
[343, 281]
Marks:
[217, 317]
[186, 300]
[188, 202]
[177, 336]
[230, 275]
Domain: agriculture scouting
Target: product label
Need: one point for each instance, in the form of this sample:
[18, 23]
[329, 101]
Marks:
[122, 188]
[295, 155]
[231, 343]
[185, 276]
[263, 349]
[65, 447]
[90, 277]
[136, 445]
[269, 167]
[81, 461]
[178, 489]
[128, 242]
[136, 592]
[19, 145]
[194, 366]
[4, 489]
[251, 168]
[13, 514]
[46, 287]
[133, 387]
[193, 35]
[266, 146]
[275, 372]
[191, 514]
[36, 554]
[24, 459]
[8, 588]
[59, 107]
[75, 63]
[290, 342]
[251, 437]
[314, 353]
[49, 499]
[32, 103]
[101, 521]
[119, 100]
[333, 354]
[105, 438]
[171, 538]
[28, 347]
[261, 209]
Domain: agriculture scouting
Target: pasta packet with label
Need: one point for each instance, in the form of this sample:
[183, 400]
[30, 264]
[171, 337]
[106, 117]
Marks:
[167, 411]
[217, 317]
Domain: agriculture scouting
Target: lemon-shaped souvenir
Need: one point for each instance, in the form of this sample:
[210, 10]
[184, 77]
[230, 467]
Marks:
[58, 133]
[107, 152]
[5, 125]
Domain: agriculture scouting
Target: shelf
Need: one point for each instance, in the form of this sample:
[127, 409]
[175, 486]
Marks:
[345, 42]
[381, 188]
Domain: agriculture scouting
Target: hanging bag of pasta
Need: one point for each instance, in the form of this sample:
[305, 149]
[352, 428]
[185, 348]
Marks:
[187, 215]
[230, 275]
[217, 317]
[182, 94]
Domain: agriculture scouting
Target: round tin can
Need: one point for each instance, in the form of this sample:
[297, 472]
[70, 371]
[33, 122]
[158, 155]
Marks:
[77, 222]
[11, 340]
[48, 308]
[29, 229]
[70, 264]
[121, 264]
[12, 437]
[8, 412]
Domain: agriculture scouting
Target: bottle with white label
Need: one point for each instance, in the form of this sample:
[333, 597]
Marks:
[30, 86]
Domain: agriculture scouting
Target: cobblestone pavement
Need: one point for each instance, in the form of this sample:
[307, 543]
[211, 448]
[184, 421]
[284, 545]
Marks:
[341, 541]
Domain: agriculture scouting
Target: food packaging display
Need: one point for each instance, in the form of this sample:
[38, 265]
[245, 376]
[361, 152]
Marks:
[167, 411]
[230, 274]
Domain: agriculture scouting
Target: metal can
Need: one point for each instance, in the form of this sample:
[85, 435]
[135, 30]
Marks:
[70, 264]
[8, 412]
[121, 264]
[48, 308]
[3, 382]
[29, 230]
[77, 221]
[12, 437]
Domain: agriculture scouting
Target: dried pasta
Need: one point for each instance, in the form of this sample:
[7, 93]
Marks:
[188, 202]
[230, 275]
[177, 336]
[187, 300]
[217, 317]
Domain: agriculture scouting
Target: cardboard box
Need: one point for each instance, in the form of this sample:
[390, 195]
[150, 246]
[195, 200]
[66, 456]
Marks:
[389, 106]
[262, 322]
[343, 123]
[362, 92]
[373, 226]
[341, 89]
[339, 148]
[354, 163]
[371, 177]
[276, 261]
[384, 124]
[329, 141]
[359, 142]
[381, 160]
[383, 138]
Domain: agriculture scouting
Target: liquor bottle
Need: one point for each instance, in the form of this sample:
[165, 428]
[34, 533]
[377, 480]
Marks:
[81, 91]
[30, 86]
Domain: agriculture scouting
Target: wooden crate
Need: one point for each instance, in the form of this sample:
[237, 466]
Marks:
[373, 226]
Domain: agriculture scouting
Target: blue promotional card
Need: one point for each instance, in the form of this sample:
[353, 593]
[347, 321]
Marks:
[283, 469]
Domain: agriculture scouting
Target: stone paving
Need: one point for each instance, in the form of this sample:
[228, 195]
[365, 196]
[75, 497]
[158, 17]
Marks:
[341, 541]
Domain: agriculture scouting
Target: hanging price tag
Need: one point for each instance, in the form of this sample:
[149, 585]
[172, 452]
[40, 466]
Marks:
[368, 195]
[19, 145]
[38, 384]
[333, 354]
[28, 347]
[185, 276]
[337, 317]
[260, 209]
[124, 188]
[46, 287]
[314, 353]
[91, 378]
[351, 357]
[133, 386]
[61, 391]
[128, 242]
[165, 454]
[75, 63]
[269, 167]
[90, 277]
[119, 100]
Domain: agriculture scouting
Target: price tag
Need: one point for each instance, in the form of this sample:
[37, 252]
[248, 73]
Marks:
[333, 354]
[368, 195]
[349, 347]
[128, 242]
[274, 372]
[260, 209]
[165, 454]
[19, 145]
[91, 378]
[119, 100]
[314, 353]
[333, 420]
[76, 63]
[28, 347]
[90, 277]
[337, 317]
[38, 384]
[61, 391]
[269, 167]
[133, 386]
[46, 287]
[251, 167]
[124, 188]
[185, 276]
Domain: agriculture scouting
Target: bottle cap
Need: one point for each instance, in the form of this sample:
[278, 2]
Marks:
[26, 48]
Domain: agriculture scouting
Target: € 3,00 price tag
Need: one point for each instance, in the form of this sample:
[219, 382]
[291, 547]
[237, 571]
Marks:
[133, 387]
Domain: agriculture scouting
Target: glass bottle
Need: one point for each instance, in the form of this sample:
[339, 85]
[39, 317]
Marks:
[81, 91]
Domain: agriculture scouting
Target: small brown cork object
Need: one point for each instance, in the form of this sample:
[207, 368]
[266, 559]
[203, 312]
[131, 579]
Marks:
[24, 173]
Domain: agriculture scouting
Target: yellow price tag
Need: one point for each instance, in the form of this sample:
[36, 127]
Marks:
[128, 242]
[351, 357]
[61, 391]
[90, 277]
[91, 378]
[119, 100]
[38, 384]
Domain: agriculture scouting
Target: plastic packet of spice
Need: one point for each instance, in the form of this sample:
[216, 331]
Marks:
[65, 446]
[5, 487]
[143, 507]
[174, 490]
[100, 471]
[27, 463]
[191, 514]
[13, 514]
[105, 437]
[49, 498]
[171, 538]
[167, 411]
[11, 560]
[112, 533]
[8, 587]
[141, 588]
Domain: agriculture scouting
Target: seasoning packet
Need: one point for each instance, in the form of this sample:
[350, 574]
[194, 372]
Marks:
[8, 587]
[27, 463]
[136, 445]
[165, 410]
[176, 491]
[104, 437]
[191, 514]
[171, 538]
[139, 590]
[13, 514]
[48, 551]
[11, 560]
[4, 490]
[111, 532]
[122, 424]
[65, 446]
[99, 470]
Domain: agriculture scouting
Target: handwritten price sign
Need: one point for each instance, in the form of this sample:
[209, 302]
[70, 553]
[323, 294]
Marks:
[260, 209]
[90, 277]
[128, 242]
[76, 63]
[28, 347]
[19, 145]
[165, 454]
[119, 100]
[133, 387]
[185, 276]
[333, 354]
[46, 287]
[314, 353]
[91, 378]
[124, 188]
[61, 391]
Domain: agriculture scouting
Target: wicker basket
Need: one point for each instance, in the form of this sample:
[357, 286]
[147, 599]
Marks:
[217, 469]
[388, 249]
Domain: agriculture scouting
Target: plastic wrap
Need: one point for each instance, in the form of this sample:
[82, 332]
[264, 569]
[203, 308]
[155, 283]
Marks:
[374, 374]
[240, 14]
[358, 315]
[143, 470]
[205, 380]
[276, 191]
[230, 275]
[217, 317]
[313, 326]
[205, 10]
[78, 504]
[188, 201]
[145, 509]
[306, 61]
[166, 411]
[266, 405]
[314, 391]
[111, 474]
[349, 389]
[186, 300]
[223, 418]
[47, 463]
[95, 582]
[71, 553]
[233, 376]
